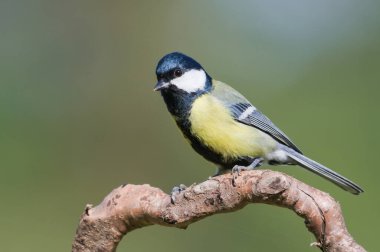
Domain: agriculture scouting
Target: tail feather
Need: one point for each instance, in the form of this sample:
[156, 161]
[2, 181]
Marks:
[322, 171]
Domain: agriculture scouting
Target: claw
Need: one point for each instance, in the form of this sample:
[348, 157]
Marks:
[237, 169]
[176, 191]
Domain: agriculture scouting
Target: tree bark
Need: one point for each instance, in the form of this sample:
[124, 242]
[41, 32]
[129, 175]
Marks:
[128, 207]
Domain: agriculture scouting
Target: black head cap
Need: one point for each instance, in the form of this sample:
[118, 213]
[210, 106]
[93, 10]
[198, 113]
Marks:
[175, 60]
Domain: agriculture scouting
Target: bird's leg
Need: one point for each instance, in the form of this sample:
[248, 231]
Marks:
[256, 162]
[176, 191]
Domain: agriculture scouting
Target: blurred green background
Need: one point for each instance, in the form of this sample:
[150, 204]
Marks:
[78, 116]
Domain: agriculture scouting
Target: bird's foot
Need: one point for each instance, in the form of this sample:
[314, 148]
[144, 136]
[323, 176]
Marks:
[176, 191]
[237, 169]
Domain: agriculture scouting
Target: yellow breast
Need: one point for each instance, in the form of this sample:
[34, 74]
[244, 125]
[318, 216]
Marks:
[213, 124]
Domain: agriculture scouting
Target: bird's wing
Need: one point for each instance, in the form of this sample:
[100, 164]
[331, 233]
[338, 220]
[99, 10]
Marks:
[244, 112]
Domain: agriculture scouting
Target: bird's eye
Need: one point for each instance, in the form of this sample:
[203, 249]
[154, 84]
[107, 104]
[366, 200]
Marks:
[178, 73]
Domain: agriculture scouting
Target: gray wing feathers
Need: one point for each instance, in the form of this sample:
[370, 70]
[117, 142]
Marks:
[243, 111]
[260, 121]
[238, 104]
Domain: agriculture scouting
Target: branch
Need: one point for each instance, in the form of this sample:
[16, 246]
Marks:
[128, 207]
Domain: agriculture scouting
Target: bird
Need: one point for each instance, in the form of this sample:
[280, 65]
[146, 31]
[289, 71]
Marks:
[224, 127]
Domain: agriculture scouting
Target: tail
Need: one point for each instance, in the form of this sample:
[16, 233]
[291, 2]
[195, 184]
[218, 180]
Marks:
[322, 171]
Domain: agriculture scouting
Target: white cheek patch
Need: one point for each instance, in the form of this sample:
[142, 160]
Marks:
[191, 81]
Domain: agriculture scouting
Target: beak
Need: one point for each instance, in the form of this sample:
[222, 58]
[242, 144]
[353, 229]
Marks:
[160, 85]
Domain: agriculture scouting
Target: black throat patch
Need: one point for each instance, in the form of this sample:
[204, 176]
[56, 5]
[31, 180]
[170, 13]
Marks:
[179, 103]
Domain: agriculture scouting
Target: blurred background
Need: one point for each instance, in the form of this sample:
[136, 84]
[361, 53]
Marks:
[78, 116]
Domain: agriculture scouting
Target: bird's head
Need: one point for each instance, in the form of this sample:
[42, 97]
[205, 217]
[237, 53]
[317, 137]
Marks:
[179, 72]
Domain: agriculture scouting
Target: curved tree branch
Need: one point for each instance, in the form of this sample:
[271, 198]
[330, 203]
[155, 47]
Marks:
[134, 206]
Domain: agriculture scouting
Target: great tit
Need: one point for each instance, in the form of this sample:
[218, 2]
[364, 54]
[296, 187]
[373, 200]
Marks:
[224, 127]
